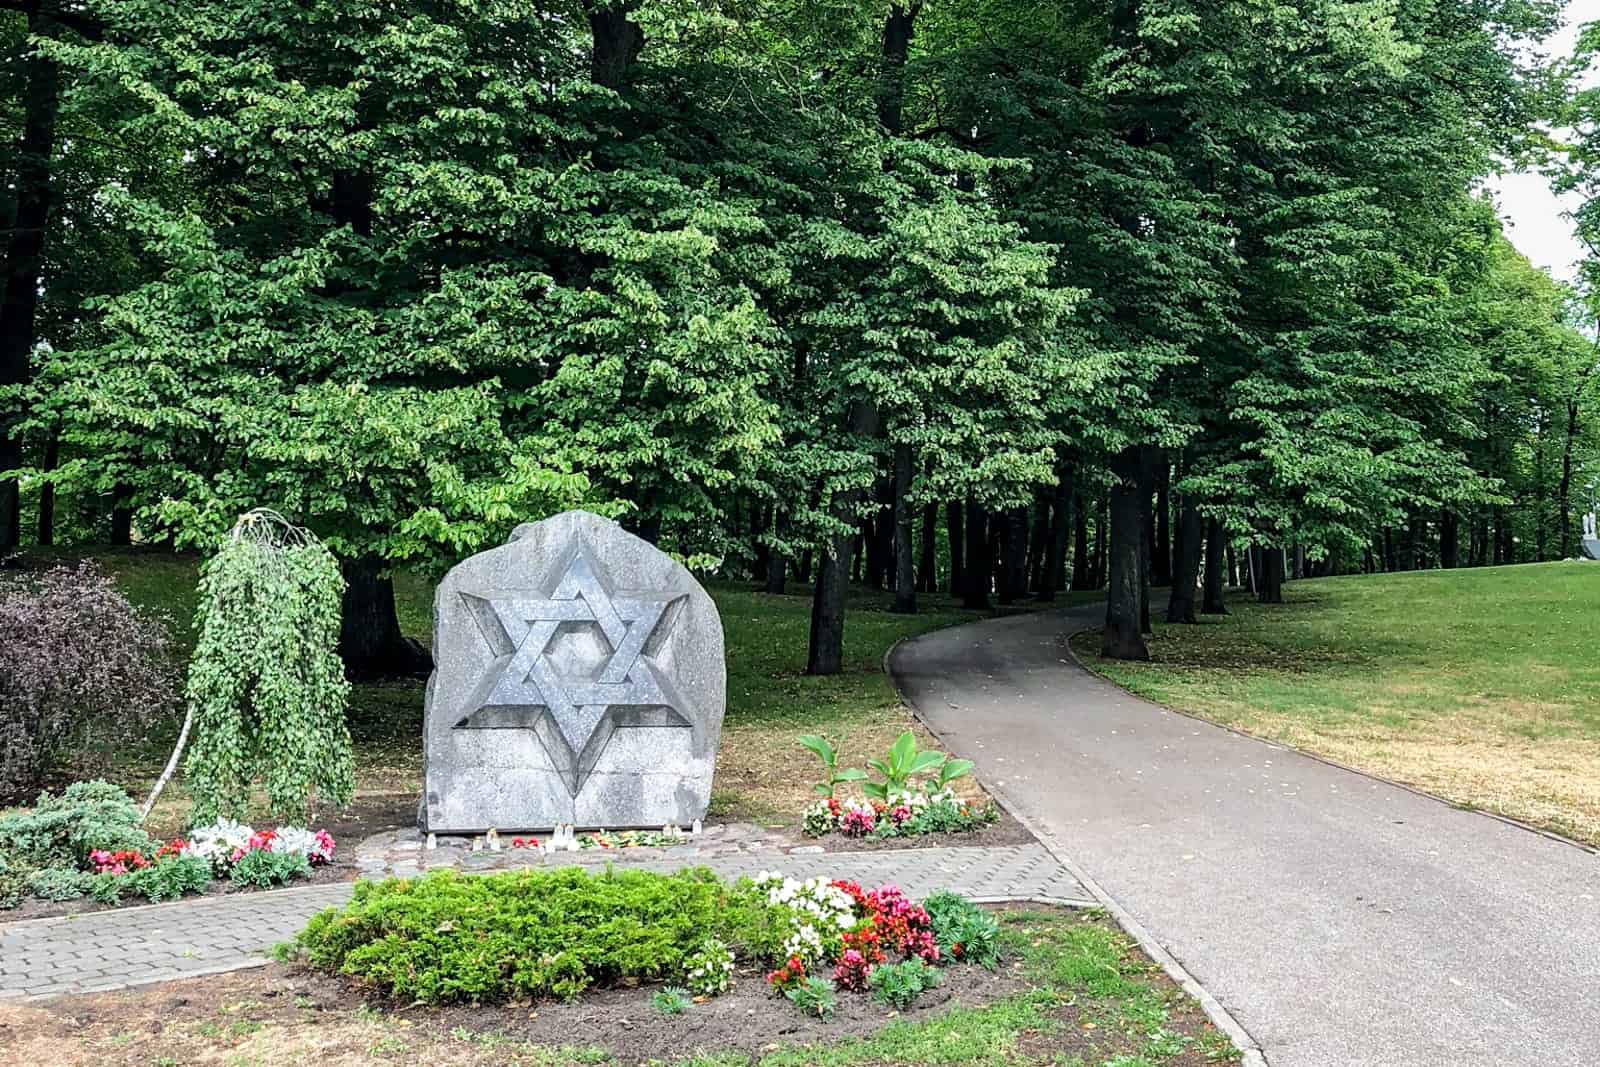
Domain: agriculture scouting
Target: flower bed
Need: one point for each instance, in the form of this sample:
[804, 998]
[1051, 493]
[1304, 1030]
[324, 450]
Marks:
[913, 798]
[450, 937]
[88, 842]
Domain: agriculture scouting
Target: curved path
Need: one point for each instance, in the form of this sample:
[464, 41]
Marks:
[1341, 920]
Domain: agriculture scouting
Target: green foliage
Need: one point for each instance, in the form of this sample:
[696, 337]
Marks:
[902, 763]
[708, 970]
[61, 830]
[836, 776]
[538, 933]
[898, 985]
[15, 882]
[964, 931]
[944, 816]
[168, 878]
[263, 869]
[59, 884]
[671, 1000]
[813, 996]
[266, 689]
[950, 770]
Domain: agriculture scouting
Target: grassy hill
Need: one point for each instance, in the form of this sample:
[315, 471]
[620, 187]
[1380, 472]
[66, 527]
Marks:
[1482, 686]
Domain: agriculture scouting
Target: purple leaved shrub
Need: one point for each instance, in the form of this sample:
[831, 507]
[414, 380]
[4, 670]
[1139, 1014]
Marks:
[81, 670]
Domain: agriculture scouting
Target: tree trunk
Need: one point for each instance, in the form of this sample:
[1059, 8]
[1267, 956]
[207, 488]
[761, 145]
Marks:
[775, 574]
[370, 641]
[905, 578]
[955, 531]
[1147, 548]
[825, 654]
[1014, 556]
[1080, 543]
[1211, 600]
[1270, 591]
[761, 518]
[121, 516]
[1233, 565]
[1124, 637]
[47, 491]
[24, 265]
[1186, 576]
[928, 564]
[618, 40]
[979, 570]
[1564, 490]
[1102, 521]
[1161, 566]
[804, 574]
[1061, 519]
[1038, 543]
[1449, 539]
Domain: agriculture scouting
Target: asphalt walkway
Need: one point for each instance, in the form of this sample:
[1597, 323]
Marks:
[1341, 920]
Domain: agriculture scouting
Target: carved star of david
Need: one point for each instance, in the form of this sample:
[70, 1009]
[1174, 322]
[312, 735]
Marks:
[573, 712]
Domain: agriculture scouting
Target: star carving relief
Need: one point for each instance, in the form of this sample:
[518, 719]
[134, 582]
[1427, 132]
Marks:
[574, 666]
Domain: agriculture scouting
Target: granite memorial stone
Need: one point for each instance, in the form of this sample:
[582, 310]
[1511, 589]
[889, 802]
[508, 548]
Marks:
[578, 678]
[1591, 539]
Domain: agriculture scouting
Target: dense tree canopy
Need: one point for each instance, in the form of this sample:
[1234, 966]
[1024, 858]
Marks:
[995, 293]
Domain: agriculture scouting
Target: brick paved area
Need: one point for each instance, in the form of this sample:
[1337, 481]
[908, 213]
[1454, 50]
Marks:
[106, 950]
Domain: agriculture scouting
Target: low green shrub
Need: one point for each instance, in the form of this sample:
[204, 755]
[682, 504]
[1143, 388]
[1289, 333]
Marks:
[59, 884]
[672, 1000]
[453, 937]
[813, 996]
[13, 882]
[899, 984]
[264, 869]
[963, 930]
[61, 831]
[168, 878]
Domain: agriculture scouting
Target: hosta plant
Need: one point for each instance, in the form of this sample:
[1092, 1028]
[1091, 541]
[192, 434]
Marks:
[833, 775]
[902, 763]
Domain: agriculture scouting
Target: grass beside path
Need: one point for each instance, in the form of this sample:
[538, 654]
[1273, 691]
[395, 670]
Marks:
[1481, 686]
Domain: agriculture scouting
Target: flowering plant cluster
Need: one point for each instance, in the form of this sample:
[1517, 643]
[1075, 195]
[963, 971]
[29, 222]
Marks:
[120, 862]
[708, 970]
[839, 928]
[904, 813]
[225, 843]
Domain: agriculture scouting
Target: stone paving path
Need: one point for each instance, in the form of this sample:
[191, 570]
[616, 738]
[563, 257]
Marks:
[99, 951]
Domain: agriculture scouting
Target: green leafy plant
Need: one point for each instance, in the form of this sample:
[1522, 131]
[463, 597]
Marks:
[263, 869]
[708, 970]
[13, 882]
[950, 770]
[836, 776]
[813, 996]
[902, 763]
[898, 985]
[62, 830]
[59, 884]
[964, 931]
[947, 817]
[672, 1000]
[168, 878]
[535, 933]
[266, 690]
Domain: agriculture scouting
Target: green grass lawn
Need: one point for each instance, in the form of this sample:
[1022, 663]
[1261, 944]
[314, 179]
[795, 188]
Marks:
[761, 774]
[1480, 685]
[1084, 997]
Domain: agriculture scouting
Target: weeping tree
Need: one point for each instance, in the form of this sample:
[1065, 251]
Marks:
[266, 691]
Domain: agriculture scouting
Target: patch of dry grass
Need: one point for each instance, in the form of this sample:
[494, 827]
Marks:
[1480, 686]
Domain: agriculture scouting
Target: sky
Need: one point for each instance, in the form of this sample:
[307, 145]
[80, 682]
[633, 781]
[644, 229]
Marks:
[1534, 215]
